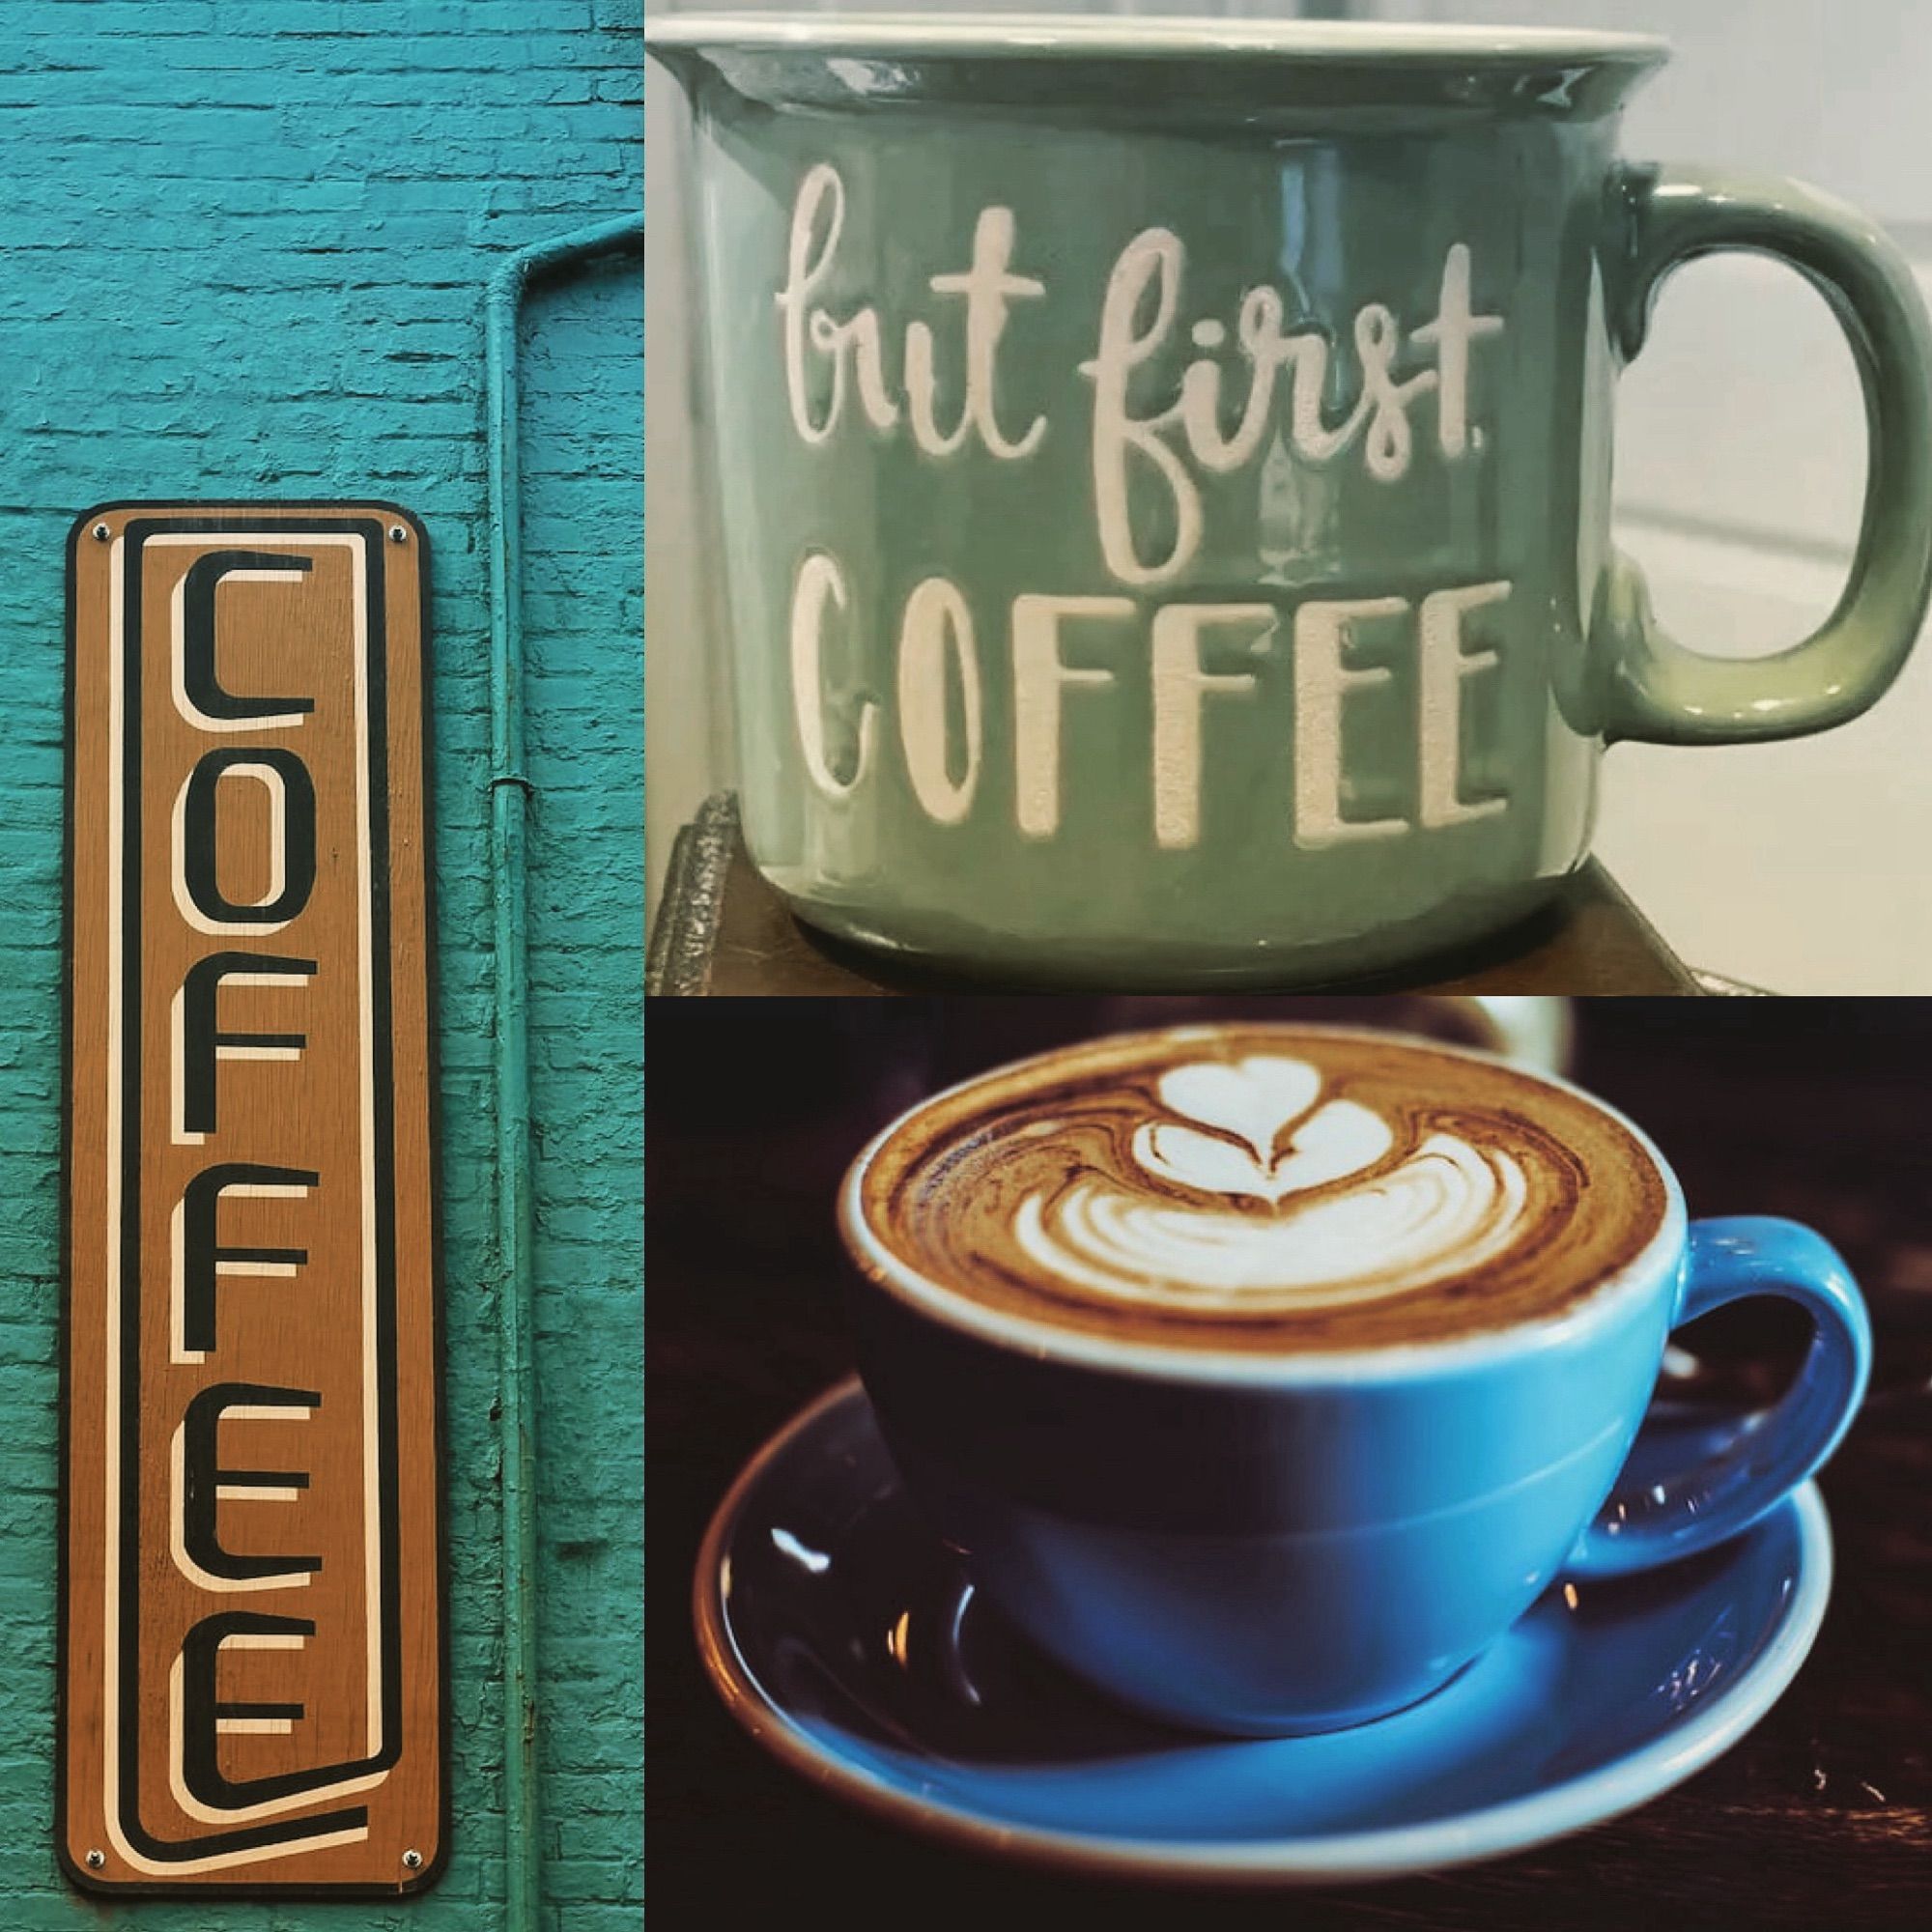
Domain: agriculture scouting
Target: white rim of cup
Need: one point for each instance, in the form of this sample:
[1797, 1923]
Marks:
[911, 34]
[1042, 1340]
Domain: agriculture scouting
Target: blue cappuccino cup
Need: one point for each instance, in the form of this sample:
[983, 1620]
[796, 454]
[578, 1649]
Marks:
[1281, 1540]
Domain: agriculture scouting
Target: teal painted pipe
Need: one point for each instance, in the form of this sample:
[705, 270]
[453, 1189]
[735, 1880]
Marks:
[509, 798]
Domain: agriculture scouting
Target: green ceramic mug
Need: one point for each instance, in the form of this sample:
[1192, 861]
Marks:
[1165, 475]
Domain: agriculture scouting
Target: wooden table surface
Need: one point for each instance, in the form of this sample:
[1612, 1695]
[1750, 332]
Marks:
[1820, 1818]
[722, 931]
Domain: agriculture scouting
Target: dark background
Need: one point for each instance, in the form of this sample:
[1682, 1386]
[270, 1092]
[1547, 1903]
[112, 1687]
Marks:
[1816, 1109]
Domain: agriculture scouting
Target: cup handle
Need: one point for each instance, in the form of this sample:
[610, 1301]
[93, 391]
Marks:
[1656, 1514]
[1654, 688]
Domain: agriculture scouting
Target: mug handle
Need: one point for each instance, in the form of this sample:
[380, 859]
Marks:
[1655, 689]
[1658, 1513]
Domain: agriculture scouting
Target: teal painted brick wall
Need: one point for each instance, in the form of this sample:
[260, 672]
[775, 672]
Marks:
[243, 249]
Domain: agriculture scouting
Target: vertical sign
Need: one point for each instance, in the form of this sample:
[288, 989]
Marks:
[252, 1692]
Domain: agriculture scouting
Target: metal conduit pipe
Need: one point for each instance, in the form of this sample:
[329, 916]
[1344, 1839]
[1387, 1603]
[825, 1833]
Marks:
[509, 797]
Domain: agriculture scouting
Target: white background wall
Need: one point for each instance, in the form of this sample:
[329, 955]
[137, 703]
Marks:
[1806, 868]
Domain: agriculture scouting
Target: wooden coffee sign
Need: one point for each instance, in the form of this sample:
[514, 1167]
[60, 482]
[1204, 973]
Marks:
[251, 1674]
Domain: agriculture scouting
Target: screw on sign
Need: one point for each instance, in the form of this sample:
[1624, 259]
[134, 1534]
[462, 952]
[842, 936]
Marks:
[251, 1641]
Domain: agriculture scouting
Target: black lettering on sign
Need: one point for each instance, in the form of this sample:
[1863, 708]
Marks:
[201, 686]
[290, 837]
[202, 1042]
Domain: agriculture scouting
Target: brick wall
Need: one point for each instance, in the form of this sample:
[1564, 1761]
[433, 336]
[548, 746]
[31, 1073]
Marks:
[243, 250]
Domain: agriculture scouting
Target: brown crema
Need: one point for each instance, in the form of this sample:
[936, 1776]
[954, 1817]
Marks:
[1093, 1190]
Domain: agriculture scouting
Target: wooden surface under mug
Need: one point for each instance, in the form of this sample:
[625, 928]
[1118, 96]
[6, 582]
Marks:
[722, 930]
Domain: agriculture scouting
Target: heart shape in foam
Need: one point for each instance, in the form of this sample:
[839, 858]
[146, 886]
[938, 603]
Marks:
[1253, 1100]
[1256, 1101]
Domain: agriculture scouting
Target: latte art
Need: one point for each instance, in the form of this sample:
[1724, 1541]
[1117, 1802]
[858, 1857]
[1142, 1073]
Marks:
[1255, 1129]
[1446, 1208]
[1247, 1106]
[1258, 1186]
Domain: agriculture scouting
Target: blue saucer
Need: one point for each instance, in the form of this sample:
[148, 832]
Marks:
[846, 1640]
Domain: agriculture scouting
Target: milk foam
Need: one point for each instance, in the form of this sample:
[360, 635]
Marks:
[1265, 1187]
[1255, 1131]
